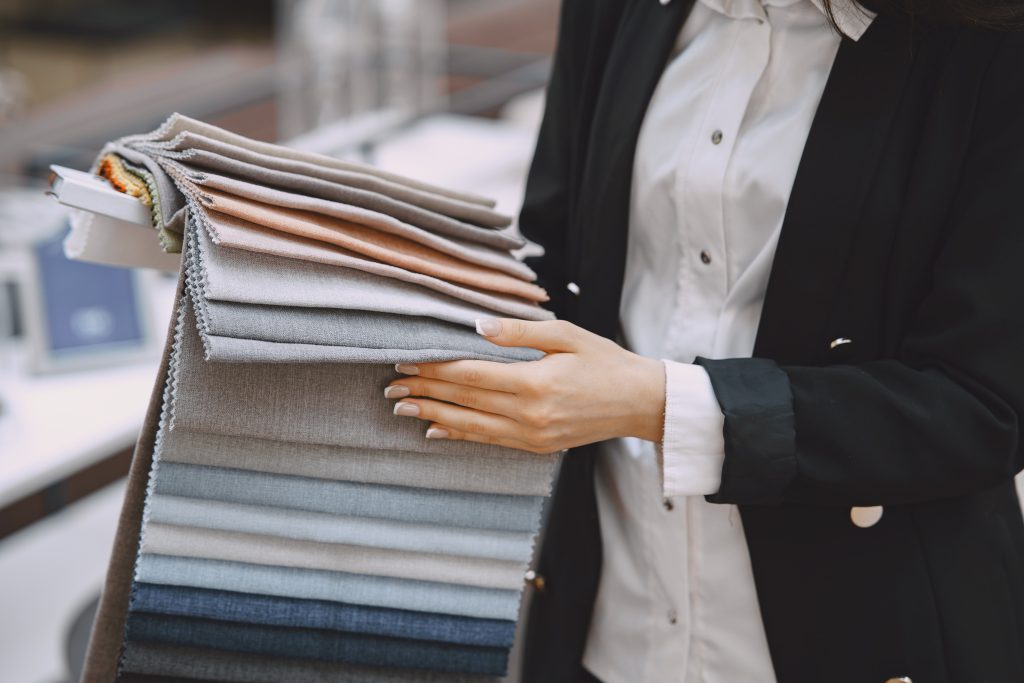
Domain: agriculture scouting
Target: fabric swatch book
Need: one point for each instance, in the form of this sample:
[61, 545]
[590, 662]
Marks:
[280, 524]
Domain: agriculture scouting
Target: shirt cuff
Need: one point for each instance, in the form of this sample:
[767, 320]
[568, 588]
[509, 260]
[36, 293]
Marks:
[692, 448]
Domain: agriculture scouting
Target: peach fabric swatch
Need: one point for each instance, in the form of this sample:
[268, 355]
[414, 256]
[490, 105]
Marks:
[375, 244]
[235, 233]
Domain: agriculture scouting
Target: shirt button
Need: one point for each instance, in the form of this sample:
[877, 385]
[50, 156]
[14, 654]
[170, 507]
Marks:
[672, 616]
[705, 257]
[574, 288]
[716, 137]
[669, 505]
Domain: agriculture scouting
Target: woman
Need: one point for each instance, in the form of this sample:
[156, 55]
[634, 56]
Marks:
[800, 222]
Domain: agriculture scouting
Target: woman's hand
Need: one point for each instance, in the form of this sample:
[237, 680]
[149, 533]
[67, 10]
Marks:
[586, 389]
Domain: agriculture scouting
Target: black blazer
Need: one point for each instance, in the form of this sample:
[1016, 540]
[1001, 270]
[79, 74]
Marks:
[904, 234]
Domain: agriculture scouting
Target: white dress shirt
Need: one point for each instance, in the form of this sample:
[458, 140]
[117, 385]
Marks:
[715, 162]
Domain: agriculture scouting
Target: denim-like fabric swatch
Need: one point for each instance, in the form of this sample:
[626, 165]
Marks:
[248, 608]
[312, 584]
[202, 663]
[320, 645]
[372, 532]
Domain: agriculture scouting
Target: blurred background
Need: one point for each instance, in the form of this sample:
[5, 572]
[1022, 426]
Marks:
[445, 90]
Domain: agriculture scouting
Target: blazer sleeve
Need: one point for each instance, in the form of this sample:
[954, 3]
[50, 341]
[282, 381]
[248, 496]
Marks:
[942, 419]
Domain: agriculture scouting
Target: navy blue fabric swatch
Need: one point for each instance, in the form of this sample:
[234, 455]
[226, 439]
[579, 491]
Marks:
[318, 645]
[320, 614]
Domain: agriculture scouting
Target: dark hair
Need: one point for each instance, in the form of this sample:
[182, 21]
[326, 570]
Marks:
[995, 14]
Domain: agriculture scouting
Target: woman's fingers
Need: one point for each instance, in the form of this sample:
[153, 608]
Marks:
[481, 374]
[440, 431]
[547, 335]
[489, 401]
[458, 418]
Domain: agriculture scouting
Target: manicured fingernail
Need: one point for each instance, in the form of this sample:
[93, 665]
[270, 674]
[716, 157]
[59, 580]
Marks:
[437, 433]
[488, 327]
[396, 391]
[407, 369]
[407, 409]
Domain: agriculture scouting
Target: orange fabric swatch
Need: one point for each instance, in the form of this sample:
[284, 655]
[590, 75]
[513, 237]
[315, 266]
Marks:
[381, 246]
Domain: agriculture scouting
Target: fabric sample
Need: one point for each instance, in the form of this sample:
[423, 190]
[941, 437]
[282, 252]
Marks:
[178, 123]
[311, 584]
[355, 531]
[483, 254]
[112, 168]
[427, 220]
[314, 644]
[229, 274]
[166, 539]
[484, 473]
[205, 664]
[168, 197]
[279, 512]
[338, 404]
[189, 145]
[399, 503]
[350, 329]
[227, 231]
[388, 248]
[320, 614]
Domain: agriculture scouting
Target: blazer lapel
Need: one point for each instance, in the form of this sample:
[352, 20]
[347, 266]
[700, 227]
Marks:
[641, 49]
[836, 171]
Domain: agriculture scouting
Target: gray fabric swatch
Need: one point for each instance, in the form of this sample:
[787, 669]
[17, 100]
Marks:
[497, 257]
[485, 473]
[189, 144]
[407, 213]
[212, 544]
[231, 232]
[215, 665]
[178, 123]
[349, 530]
[400, 503]
[331, 404]
[312, 584]
[351, 329]
[228, 275]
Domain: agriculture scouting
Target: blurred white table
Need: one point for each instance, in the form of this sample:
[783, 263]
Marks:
[56, 425]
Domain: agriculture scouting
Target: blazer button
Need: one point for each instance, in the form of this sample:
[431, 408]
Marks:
[574, 288]
[899, 679]
[837, 342]
[866, 517]
[536, 580]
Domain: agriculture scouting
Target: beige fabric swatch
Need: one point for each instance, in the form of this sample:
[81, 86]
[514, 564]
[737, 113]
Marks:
[212, 544]
[228, 231]
[383, 247]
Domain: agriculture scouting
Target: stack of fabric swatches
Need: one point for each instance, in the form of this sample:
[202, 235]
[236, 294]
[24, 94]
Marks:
[280, 523]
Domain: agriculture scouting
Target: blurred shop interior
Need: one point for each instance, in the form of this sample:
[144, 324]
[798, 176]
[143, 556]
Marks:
[449, 91]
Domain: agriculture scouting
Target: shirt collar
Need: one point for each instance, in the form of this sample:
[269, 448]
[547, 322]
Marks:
[853, 19]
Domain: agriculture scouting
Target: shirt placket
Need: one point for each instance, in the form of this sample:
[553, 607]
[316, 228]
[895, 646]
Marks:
[705, 194]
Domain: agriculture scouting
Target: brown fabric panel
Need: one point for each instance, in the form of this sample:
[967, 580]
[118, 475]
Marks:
[108, 627]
